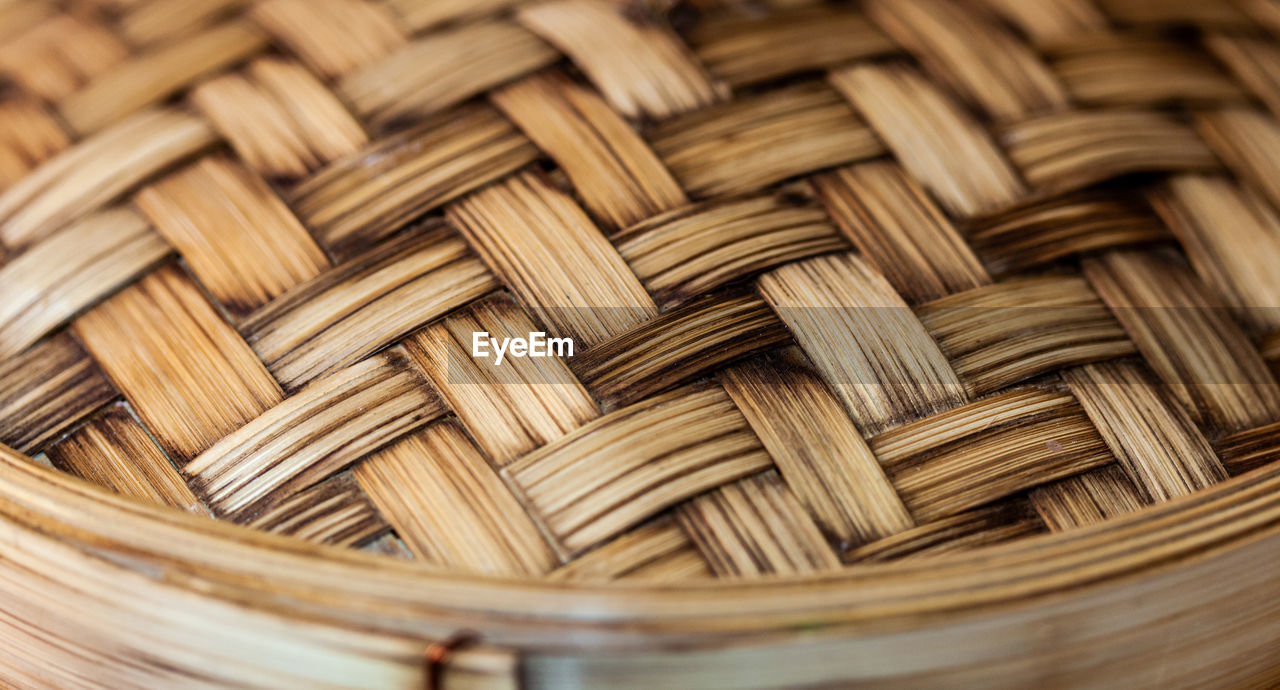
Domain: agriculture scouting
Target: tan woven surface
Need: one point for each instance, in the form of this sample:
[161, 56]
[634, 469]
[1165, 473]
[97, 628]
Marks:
[245, 246]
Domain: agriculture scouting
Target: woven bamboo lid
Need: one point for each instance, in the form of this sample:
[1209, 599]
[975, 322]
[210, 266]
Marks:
[911, 343]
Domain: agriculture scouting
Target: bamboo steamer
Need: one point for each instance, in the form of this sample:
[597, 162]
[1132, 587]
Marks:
[906, 343]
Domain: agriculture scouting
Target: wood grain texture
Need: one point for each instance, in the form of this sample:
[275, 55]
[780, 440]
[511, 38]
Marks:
[522, 230]
[46, 390]
[693, 250]
[354, 309]
[97, 171]
[279, 118]
[71, 271]
[753, 142]
[311, 435]
[644, 458]
[114, 451]
[237, 237]
[936, 142]
[620, 179]
[511, 408]
[863, 339]
[450, 506]
[817, 449]
[185, 371]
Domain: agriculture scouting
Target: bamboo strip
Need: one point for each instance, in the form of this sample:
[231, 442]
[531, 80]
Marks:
[60, 55]
[1186, 337]
[938, 144]
[114, 451]
[1248, 141]
[421, 15]
[29, 136]
[895, 225]
[1067, 151]
[1232, 238]
[97, 171]
[755, 527]
[1145, 12]
[46, 390]
[186, 373]
[147, 79]
[1045, 231]
[1253, 63]
[817, 449]
[863, 339]
[995, 524]
[430, 75]
[659, 551]
[751, 143]
[279, 118]
[157, 22]
[975, 55]
[1156, 443]
[1250, 449]
[335, 511]
[677, 347]
[1124, 70]
[236, 236]
[987, 450]
[451, 508]
[1000, 334]
[357, 201]
[536, 239]
[352, 310]
[509, 409]
[1050, 22]
[66, 273]
[742, 49]
[693, 250]
[640, 68]
[333, 37]
[642, 459]
[323, 428]
[621, 181]
[1087, 499]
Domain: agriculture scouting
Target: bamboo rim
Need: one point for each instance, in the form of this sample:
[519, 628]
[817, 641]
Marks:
[1214, 539]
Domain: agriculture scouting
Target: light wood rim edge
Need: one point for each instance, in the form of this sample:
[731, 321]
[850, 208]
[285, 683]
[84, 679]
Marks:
[358, 589]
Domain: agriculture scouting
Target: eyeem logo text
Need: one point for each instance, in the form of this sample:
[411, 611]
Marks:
[536, 345]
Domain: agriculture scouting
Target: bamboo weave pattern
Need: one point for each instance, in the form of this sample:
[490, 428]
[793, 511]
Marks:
[244, 245]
